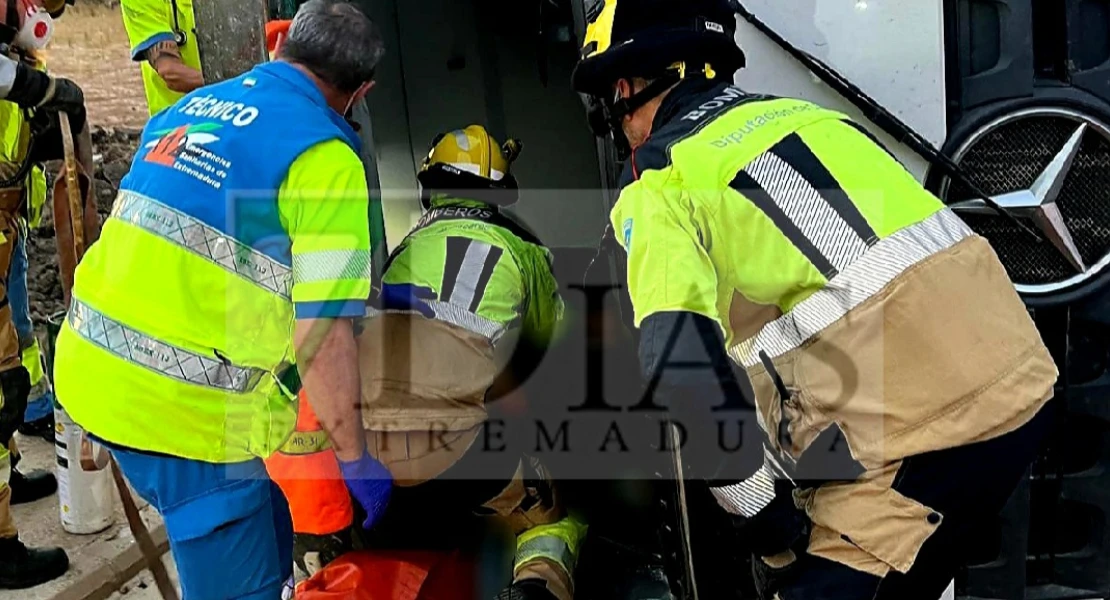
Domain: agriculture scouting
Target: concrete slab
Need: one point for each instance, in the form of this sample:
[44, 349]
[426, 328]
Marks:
[100, 563]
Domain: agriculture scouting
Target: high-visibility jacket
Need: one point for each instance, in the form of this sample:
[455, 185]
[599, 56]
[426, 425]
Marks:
[817, 253]
[180, 331]
[149, 22]
[307, 471]
[493, 288]
[15, 140]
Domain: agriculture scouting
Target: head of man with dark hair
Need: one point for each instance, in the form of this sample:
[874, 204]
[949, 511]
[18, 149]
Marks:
[338, 46]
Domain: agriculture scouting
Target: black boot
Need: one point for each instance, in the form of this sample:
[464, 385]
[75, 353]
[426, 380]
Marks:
[22, 567]
[40, 428]
[35, 485]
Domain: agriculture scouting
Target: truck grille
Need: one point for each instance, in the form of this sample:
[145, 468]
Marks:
[1009, 156]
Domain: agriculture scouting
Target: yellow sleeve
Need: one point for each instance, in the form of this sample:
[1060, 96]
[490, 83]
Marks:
[669, 269]
[147, 22]
[324, 205]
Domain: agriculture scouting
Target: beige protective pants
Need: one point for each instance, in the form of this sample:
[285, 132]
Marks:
[423, 391]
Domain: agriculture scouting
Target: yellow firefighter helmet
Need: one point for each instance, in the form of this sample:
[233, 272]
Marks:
[469, 164]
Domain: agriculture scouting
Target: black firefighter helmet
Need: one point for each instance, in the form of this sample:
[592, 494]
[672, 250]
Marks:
[659, 40]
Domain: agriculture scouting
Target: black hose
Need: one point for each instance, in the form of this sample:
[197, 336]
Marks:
[880, 116]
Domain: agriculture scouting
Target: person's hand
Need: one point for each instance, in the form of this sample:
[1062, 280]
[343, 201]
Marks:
[371, 484]
[407, 297]
[65, 96]
[526, 589]
[34, 89]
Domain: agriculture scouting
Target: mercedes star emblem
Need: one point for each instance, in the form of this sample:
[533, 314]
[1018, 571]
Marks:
[1038, 202]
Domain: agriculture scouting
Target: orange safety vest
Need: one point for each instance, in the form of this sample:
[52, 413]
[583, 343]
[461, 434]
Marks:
[307, 471]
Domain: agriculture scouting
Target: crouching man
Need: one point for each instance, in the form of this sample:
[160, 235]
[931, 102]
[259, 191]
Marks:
[468, 302]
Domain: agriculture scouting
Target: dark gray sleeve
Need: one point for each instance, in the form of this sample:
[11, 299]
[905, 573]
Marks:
[691, 378]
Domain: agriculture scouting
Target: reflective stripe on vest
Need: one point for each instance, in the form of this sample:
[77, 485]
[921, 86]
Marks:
[557, 542]
[457, 316]
[853, 285]
[165, 359]
[206, 242]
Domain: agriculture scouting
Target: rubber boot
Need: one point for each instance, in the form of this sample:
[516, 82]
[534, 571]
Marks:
[40, 428]
[22, 567]
[35, 485]
[311, 553]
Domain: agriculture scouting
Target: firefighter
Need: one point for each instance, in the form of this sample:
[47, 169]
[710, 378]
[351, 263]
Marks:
[39, 417]
[899, 381]
[163, 38]
[222, 272]
[28, 97]
[468, 302]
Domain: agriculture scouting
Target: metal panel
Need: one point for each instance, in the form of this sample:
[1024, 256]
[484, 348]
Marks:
[893, 51]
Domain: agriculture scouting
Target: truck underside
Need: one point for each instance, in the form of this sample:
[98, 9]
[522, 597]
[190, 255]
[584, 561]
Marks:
[999, 86]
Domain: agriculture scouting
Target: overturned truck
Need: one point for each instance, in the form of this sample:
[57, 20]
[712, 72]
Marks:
[1008, 99]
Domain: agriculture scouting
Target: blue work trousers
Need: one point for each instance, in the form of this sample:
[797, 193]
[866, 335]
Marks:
[229, 526]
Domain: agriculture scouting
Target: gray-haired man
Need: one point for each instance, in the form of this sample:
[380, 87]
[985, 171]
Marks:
[243, 220]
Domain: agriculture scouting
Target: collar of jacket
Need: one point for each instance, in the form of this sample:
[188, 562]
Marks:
[294, 78]
[684, 97]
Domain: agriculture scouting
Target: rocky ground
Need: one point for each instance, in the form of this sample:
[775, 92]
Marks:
[90, 47]
[113, 149]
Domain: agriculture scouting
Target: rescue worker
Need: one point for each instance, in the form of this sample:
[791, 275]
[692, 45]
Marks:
[28, 97]
[162, 34]
[899, 380]
[468, 304]
[220, 268]
[305, 467]
[39, 417]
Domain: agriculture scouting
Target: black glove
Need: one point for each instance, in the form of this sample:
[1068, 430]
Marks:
[66, 97]
[30, 86]
[15, 385]
[526, 589]
[779, 527]
[34, 89]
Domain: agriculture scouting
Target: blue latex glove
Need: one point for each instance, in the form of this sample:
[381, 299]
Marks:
[371, 484]
[406, 296]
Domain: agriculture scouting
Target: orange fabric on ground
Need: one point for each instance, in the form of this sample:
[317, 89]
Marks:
[311, 481]
[392, 575]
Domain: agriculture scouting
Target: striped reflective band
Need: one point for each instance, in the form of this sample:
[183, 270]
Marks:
[557, 542]
[466, 275]
[754, 493]
[457, 316]
[225, 251]
[855, 284]
[748, 497]
[545, 546]
[302, 443]
[798, 194]
[330, 265]
[158, 356]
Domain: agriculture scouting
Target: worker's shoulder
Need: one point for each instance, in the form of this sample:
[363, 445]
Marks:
[327, 157]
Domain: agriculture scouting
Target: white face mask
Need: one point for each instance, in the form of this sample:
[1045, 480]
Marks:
[38, 28]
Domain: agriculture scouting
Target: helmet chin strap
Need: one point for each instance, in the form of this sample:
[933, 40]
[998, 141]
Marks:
[611, 114]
